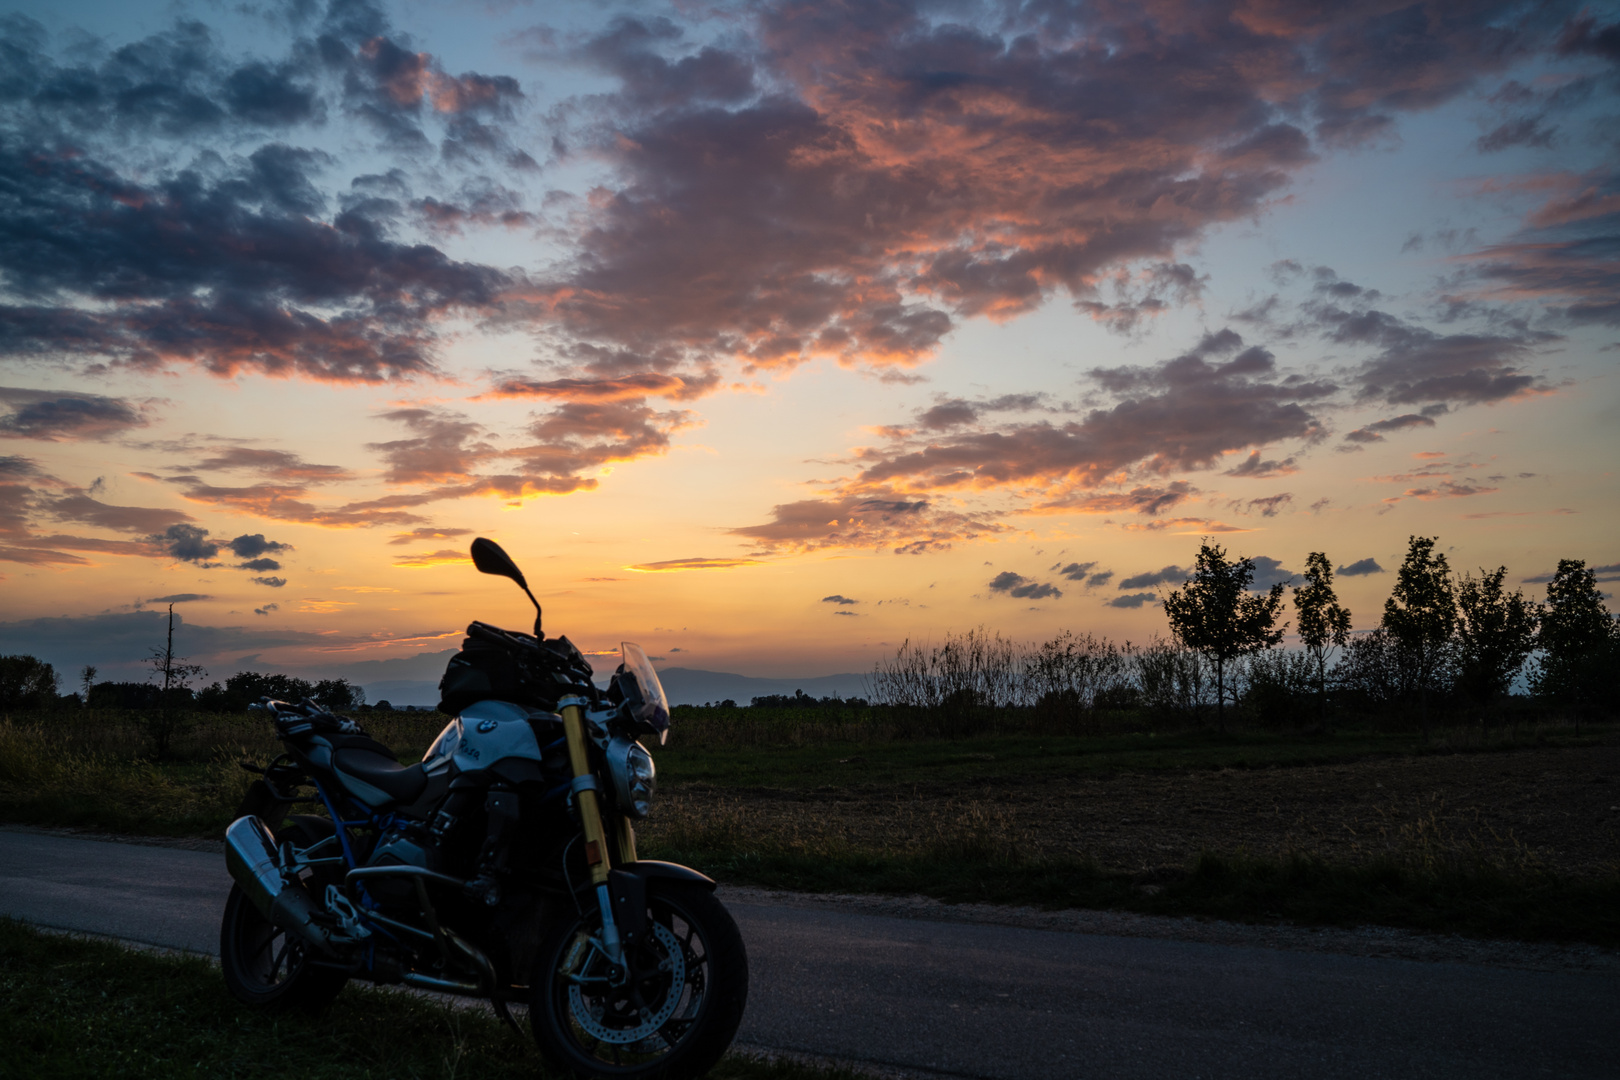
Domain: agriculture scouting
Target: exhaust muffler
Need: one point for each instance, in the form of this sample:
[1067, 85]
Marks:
[255, 866]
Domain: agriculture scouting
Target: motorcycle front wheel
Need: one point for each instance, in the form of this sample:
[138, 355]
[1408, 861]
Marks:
[668, 1014]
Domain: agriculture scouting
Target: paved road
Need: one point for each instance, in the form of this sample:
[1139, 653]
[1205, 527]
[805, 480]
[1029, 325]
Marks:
[994, 1001]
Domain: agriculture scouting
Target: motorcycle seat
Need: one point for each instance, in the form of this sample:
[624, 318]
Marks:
[402, 783]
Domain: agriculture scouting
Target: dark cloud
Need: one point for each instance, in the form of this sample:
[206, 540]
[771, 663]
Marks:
[1270, 505]
[267, 609]
[252, 545]
[231, 272]
[1016, 585]
[80, 507]
[1416, 365]
[877, 520]
[850, 182]
[179, 598]
[270, 582]
[1360, 568]
[50, 415]
[836, 599]
[446, 447]
[259, 565]
[1374, 432]
[1170, 575]
[1254, 468]
[187, 543]
[273, 464]
[1133, 600]
[1269, 572]
[70, 642]
[15, 465]
[1185, 413]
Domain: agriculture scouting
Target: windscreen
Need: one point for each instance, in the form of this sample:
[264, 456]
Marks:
[654, 710]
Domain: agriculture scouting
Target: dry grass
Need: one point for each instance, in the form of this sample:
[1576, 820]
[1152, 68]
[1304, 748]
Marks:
[1517, 811]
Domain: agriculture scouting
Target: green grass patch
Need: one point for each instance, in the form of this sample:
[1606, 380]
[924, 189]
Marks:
[1010, 758]
[72, 1008]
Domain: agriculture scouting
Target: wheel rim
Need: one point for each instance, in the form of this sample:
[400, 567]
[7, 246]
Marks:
[267, 957]
[646, 1017]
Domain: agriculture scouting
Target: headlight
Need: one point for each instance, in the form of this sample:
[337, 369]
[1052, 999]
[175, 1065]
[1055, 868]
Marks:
[634, 777]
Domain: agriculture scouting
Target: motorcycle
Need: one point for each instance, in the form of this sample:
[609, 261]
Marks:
[501, 866]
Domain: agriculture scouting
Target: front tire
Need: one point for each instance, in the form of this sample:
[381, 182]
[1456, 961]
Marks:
[264, 966]
[674, 1015]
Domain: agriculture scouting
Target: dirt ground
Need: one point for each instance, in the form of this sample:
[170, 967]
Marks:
[1555, 809]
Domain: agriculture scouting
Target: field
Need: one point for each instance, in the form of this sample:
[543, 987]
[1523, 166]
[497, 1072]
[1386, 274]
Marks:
[1512, 832]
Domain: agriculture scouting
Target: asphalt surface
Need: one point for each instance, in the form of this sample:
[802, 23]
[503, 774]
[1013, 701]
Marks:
[923, 997]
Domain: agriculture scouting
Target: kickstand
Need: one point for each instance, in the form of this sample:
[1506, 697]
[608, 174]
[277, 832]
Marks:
[506, 1015]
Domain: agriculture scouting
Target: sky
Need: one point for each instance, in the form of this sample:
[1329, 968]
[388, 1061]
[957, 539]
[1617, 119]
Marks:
[772, 335]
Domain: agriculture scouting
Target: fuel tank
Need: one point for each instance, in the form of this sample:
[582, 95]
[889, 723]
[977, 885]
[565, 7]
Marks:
[487, 732]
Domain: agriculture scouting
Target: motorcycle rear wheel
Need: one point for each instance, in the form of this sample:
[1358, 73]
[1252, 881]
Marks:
[674, 1016]
[264, 966]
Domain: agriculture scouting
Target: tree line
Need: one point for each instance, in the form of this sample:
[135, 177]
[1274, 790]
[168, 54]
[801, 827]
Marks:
[1457, 641]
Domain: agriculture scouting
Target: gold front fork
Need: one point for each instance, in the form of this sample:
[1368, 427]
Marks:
[590, 808]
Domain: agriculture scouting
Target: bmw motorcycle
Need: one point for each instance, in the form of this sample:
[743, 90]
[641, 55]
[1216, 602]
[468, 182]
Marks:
[501, 866]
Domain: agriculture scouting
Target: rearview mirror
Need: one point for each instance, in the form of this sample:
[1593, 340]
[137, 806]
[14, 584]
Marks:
[488, 556]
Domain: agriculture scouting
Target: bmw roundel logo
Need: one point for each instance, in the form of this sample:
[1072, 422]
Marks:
[485, 727]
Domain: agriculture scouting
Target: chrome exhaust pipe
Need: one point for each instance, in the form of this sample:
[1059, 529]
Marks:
[255, 866]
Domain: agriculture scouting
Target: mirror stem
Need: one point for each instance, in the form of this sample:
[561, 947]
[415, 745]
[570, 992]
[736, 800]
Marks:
[538, 636]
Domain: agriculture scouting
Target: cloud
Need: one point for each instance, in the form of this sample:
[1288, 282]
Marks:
[1023, 588]
[1170, 575]
[82, 508]
[826, 181]
[259, 565]
[252, 545]
[1269, 572]
[442, 557]
[671, 565]
[270, 582]
[1416, 365]
[1133, 600]
[1269, 505]
[1374, 432]
[179, 598]
[267, 609]
[1183, 414]
[51, 416]
[876, 519]
[427, 533]
[122, 639]
[1360, 568]
[836, 599]
[279, 465]
[1253, 467]
[186, 543]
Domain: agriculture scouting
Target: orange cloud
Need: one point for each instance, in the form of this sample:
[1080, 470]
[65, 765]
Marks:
[672, 565]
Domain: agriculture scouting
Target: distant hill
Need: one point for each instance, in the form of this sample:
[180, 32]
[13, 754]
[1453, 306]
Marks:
[689, 686]
[685, 686]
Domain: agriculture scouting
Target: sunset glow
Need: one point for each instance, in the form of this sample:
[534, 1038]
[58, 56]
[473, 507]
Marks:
[778, 333]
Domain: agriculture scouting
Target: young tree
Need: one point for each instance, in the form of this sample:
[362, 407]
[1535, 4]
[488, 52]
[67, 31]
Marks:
[1496, 632]
[1579, 640]
[87, 679]
[338, 694]
[1421, 614]
[1324, 624]
[1215, 614]
[173, 676]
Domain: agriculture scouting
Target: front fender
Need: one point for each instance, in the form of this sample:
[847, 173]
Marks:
[649, 870]
[627, 891]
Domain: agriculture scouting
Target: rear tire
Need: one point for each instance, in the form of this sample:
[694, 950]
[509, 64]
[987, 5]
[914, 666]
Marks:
[675, 1015]
[264, 966]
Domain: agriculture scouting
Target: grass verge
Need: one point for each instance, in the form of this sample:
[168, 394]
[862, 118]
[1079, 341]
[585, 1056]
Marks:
[72, 1009]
